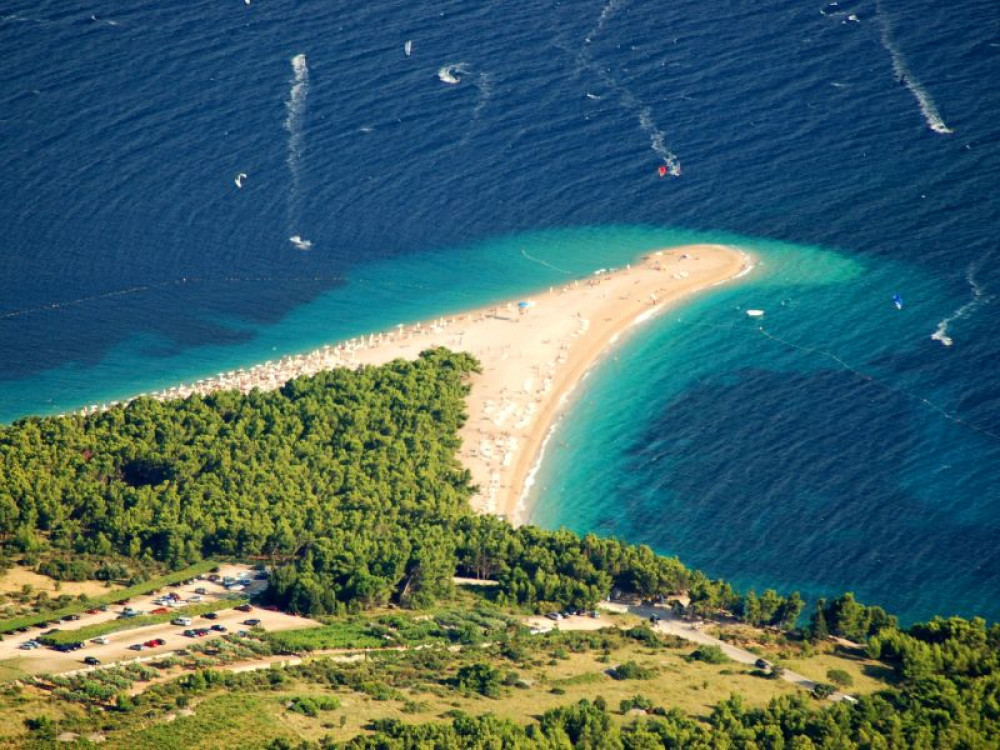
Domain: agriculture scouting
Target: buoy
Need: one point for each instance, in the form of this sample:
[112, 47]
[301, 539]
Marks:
[662, 171]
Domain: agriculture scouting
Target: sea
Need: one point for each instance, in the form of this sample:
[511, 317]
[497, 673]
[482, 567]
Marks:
[187, 188]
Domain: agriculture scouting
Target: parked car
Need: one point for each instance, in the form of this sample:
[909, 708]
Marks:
[29, 645]
[91, 660]
[654, 618]
[201, 632]
[762, 664]
[136, 647]
[554, 616]
[189, 633]
[71, 618]
[201, 590]
[211, 616]
[219, 628]
[101, 640]
[244, 608]
[182, 621]
[159, 611]
[154, 643]
[252, 622]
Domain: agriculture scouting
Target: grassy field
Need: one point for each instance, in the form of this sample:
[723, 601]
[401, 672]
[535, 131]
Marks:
[222, 721]
[332, 636]
[450, 625]
[225, 720]
[12, 624]
[130, 623]
[10, 669]
[16, 578]
[868, 675]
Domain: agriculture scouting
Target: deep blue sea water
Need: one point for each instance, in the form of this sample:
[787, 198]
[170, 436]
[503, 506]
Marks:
[839, 448]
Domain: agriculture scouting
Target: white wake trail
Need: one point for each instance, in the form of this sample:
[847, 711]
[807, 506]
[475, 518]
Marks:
[295, 109]
[657, 138]
[609, 10]
[979, 298]
[905, 76]
[657, 141]
[484, 84]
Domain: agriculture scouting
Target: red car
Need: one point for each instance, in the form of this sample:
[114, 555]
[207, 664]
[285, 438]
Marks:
[159, 611]
[154, 643]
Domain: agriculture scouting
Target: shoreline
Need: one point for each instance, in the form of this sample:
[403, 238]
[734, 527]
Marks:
[534, 353]
[516, 505]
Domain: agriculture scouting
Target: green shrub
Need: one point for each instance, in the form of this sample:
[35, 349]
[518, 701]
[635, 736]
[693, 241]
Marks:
[840, 677]
[632, 671]
[709, 655]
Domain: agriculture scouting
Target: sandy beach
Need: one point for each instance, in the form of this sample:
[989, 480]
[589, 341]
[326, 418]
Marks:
[533, 351]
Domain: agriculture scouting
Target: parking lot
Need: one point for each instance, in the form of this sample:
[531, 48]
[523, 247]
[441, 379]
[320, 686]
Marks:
[119, 645]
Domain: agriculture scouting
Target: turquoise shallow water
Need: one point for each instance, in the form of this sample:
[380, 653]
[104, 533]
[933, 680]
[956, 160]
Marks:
[371, 297]
[817, 454]
[818, 449]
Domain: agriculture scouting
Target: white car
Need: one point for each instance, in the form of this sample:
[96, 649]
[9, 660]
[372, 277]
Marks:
[101, 640]
[28, 645]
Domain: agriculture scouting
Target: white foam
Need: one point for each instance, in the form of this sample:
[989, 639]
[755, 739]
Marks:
[657, 141]
[610, 8]
[905, 76]
[447, 73]
[979, 298]
[295, 108]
